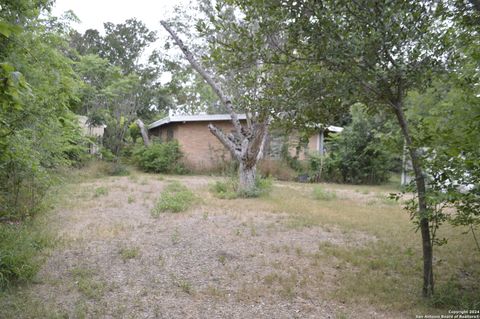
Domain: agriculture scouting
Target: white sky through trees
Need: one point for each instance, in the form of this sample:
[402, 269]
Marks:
[93, 13]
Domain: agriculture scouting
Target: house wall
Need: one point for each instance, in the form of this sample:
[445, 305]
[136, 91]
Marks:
[95, 131]
[314, 143]
[307, 148]
[201, 149]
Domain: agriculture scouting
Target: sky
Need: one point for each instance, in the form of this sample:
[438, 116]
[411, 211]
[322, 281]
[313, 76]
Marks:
[93, 13]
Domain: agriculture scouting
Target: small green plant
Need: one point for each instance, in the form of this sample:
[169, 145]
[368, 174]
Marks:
[186, 287]
[161, 261]
[87, 284]
[133, 178]
[253, 230]
[225, 189]
[183, 284]
[321, 194]
[229, 189]
[174, 199]
[222, 259]
[386, 200]
[118, 169]
[19, 248]
[100, 191]
[175, 237]
[299, 251]
[131, 199]
[129, 253]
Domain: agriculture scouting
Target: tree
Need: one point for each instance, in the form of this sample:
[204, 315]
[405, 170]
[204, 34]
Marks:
[381, 50]
[247, 144]
[446, 118]
[124, 43]
[123, 46]
[118, 86]
[38, 132]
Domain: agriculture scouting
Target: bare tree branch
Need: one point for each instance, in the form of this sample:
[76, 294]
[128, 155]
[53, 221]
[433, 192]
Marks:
[140, 124]
[215, 86]
[226, 141]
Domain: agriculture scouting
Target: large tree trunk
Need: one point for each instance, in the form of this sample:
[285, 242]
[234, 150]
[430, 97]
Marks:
[248, 142]
[246, 176]
[428, 283]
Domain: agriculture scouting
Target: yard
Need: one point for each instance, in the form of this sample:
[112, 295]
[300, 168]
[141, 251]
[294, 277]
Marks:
[353, 254]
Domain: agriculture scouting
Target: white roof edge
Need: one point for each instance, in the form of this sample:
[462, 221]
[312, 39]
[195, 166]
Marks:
[194, 118]
[213, 117]
[336, 129]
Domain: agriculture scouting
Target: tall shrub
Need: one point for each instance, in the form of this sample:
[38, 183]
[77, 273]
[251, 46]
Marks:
[159, 157]
[358, 155]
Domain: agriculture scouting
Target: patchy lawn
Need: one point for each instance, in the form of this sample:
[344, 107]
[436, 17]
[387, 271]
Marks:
[292, 254]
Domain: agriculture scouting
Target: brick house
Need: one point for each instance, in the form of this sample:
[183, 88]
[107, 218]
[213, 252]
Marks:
[203, 151]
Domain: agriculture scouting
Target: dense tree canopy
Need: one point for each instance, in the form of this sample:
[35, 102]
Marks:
[374, 52]
[38, 131]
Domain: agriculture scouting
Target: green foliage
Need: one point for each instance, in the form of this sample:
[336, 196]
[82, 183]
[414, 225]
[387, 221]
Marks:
[100, 191]
[229, 189]
[319, 193]
[226, 189]
[134, 131]
[87, 284]
[159, 157]
[446, 118]
[357, 155]
[129, 253]
[452, 295]
[174, 198]
[119, 169]
[115, 81]
[38, 132]
[19, 248]
[107, 154]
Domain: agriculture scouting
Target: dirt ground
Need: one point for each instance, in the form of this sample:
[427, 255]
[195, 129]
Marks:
[220, 259]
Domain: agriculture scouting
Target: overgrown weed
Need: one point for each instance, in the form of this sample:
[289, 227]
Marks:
[175, 198]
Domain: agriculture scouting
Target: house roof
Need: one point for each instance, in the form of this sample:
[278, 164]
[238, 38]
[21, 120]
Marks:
[195, 118]
[213, 118]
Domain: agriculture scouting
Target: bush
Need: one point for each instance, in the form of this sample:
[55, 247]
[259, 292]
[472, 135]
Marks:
[174, 199]
[160, 158]
[118, 169]
[107, 155]
[321, 194]
[225, 189]
[229, 189]
[453, 294]
[19, 247]
[357, 155]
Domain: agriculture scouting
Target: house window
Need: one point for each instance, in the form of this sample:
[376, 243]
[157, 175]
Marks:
[169, 134]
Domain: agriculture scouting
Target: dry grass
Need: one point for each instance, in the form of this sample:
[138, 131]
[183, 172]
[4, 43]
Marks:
[285, 255]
